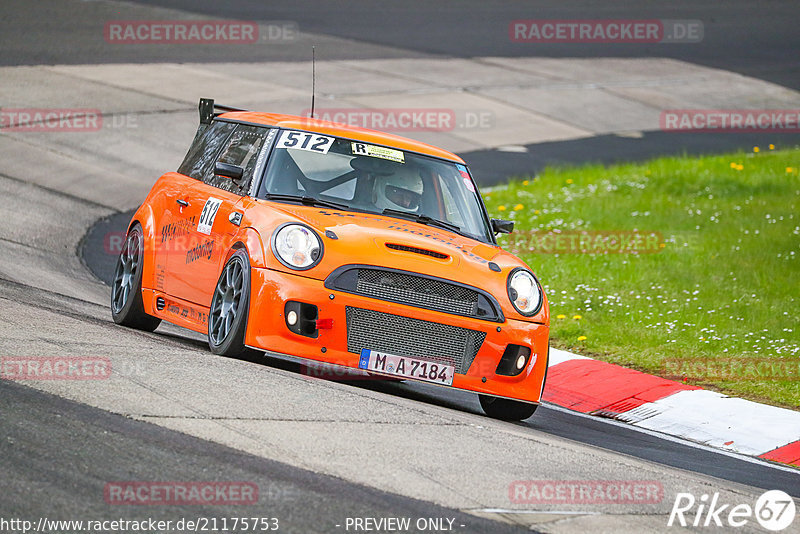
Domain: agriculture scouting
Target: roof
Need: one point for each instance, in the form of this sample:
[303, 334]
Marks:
[340, 130]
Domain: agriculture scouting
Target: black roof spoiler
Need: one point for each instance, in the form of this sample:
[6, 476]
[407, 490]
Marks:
[208, 110]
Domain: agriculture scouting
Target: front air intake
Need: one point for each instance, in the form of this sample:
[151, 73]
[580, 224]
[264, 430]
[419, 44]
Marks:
[414, 338]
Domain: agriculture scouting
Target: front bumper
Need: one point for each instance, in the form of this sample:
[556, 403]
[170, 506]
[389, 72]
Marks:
[267, 330]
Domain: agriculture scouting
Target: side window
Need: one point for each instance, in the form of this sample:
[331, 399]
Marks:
[199, 161]
[241, 149]
[460, 206]
[451, 204]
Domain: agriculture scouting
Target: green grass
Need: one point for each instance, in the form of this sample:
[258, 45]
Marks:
[723, 289]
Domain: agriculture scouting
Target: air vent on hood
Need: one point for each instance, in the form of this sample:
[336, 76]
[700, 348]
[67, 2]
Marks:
[415, 250]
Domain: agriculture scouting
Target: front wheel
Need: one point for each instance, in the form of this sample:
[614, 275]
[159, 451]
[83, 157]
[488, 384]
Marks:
[127, 307]
[227, 320]
[506, 409]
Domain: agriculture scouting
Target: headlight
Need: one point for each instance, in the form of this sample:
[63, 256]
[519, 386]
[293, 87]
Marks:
[297, 247]
[524, 292]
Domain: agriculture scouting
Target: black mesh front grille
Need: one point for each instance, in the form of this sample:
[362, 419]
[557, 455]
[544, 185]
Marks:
[417, 291]
[404, 336]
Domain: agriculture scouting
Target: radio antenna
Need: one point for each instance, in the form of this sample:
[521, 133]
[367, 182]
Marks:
[313, 78]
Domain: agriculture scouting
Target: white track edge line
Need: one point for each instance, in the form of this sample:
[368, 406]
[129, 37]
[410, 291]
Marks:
[676, 439]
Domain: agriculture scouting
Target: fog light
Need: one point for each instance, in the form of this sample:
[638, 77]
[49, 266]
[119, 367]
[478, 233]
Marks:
[514, 360]
[301, 318]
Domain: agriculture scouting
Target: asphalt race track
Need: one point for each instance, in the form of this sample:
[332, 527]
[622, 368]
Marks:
[320, 452]
[66, 441]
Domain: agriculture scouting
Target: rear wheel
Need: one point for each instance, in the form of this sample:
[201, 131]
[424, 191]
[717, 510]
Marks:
[227, 320]
[506, 409]
[127, 307]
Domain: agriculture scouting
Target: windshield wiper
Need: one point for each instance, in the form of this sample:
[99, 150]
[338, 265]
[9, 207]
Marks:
[423, 219]
[307, 200]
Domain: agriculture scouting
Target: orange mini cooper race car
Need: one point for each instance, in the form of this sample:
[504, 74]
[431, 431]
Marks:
[341, 245]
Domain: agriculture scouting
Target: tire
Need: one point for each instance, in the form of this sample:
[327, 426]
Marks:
[506, 409]
[230, 306]
[127, 307]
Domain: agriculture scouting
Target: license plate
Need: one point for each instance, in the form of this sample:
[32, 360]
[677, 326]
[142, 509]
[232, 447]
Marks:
[390, 364]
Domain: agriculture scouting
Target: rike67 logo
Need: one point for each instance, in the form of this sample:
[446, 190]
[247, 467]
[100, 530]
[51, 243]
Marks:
[774, 510]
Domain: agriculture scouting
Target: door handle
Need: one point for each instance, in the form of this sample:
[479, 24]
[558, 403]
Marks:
[182, 202]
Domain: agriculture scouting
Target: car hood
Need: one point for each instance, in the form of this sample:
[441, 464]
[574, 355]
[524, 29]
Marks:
[365, 236]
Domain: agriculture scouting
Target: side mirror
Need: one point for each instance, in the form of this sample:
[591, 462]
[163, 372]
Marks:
[499, 226]
[233, 172]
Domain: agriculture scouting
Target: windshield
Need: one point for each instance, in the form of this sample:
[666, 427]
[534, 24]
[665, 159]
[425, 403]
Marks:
[375, 179]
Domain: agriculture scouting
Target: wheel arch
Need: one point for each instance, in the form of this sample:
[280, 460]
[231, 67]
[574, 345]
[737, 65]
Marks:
[250, 239]
[145, 217]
